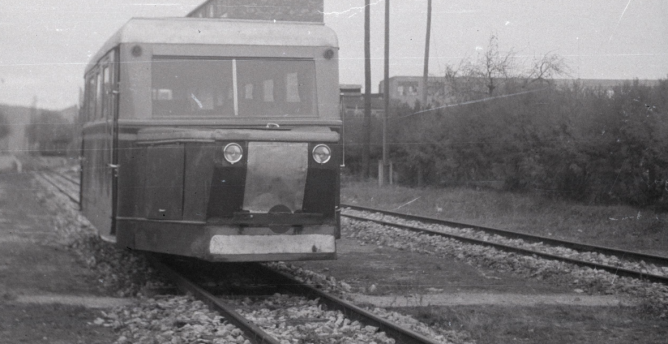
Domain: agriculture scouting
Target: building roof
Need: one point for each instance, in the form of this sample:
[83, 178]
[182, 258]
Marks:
[284, 10]
[219, 32]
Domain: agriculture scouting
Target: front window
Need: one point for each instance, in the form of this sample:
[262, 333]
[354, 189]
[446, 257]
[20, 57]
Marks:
[199, 87]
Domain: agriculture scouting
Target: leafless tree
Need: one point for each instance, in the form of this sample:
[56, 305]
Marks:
[547, 67]
[494, 65]
[486, 76]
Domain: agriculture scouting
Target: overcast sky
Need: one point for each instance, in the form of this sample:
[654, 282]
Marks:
[45, 44]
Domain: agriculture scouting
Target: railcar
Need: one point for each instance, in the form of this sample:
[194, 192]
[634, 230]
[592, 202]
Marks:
[216, 139]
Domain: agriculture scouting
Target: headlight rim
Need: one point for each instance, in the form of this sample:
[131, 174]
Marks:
[225, 154]
[329, 156]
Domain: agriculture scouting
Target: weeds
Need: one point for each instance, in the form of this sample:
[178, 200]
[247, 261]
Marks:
[546, 324]
[617, 226]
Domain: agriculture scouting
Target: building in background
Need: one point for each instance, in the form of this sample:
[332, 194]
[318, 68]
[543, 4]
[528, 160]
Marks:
[286, 10]
[352, 101]
[409, 89]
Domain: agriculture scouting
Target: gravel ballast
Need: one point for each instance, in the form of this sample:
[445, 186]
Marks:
[168, 319]
[593, 257]
[582, 279]
[182, 319]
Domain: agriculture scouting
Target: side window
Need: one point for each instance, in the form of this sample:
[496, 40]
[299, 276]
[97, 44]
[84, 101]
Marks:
[99, 97]
[106, 88]
[89, 98]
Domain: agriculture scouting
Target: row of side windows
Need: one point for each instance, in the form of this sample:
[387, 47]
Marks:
[100, 83]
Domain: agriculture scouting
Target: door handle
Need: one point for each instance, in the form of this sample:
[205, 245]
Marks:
[114, 168]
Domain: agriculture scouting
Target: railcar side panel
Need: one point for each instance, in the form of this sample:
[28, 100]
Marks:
[98, 140]
[98, 179]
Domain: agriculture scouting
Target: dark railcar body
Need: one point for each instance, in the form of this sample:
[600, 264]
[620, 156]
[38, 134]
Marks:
[167, 99]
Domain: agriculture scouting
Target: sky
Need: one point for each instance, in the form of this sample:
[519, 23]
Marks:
[46, 44]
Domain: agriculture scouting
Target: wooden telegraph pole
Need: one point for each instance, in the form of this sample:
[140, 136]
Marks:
[425, 75]
[383, 177]
[366, 125]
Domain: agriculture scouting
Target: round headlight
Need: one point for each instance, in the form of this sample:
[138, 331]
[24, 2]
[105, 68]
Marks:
[322, 154]
[233, 153]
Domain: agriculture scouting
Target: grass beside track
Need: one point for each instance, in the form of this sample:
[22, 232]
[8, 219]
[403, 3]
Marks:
[621, 227]
[546, 324]
[615, 226]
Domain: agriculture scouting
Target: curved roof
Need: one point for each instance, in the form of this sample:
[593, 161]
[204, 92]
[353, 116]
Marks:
[219, 31]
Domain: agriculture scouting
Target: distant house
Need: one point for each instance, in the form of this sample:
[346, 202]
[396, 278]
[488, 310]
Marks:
[409, 89]
[352, 101]
[350, 89]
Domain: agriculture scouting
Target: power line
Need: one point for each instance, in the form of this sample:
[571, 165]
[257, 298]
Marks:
[472, 102]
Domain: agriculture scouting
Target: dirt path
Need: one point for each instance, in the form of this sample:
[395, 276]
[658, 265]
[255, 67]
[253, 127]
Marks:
[467, 299]
[406, 279]
[395, 272]
[46, 296]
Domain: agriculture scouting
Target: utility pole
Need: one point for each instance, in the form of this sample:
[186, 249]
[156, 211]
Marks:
[425, 75]
[383, 177]
[366, 125]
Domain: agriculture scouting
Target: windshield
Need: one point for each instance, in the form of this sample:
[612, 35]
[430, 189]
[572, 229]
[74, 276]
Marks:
[199, 87]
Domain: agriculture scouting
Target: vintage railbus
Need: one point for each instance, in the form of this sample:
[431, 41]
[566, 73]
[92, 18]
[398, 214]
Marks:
[213, 138]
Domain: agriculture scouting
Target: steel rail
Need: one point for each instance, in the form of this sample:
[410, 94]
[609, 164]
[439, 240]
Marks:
[66, 186]
[516, 235]
[66, 177]
[286, 284]
[350, 311]
[612, 269]
[253, 333]
[58, 186]
[63, 179]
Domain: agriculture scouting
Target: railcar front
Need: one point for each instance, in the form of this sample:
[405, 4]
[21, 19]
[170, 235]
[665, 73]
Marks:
[227, 140]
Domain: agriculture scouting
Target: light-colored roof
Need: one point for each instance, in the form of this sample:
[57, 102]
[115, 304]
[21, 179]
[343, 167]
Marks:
[219, 32]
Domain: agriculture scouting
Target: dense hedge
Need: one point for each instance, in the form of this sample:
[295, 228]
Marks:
[593, 144]
[5, 128]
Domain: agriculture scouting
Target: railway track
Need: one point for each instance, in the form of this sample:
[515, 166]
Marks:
[260, 282]
[66, 185]
[626, 263]
[515, 242]
[72, 179]
[520, 243]
[201, 278]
